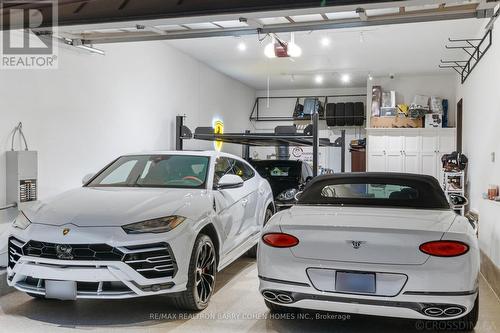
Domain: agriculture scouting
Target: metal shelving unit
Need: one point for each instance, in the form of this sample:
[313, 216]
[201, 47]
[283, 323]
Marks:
[449, 178]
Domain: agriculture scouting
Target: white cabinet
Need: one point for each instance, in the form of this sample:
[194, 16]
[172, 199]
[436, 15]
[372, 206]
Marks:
[409, 150]
[377, 162]
[429, 164]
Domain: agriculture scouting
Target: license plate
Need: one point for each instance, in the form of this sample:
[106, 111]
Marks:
[63, 290]
[358, 283]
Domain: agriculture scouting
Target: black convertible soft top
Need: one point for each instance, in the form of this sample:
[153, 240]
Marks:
[429, 194]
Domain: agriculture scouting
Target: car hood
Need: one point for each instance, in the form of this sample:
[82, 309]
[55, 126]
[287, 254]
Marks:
[99, 207]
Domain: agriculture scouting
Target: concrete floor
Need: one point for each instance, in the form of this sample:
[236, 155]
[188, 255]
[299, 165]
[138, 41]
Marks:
[235, 307]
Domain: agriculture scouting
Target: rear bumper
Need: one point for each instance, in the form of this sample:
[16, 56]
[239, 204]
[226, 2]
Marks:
[402, 306]
[409, 289]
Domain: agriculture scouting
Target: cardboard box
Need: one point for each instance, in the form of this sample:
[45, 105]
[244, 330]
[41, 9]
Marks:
[395, 122]
[433, 120]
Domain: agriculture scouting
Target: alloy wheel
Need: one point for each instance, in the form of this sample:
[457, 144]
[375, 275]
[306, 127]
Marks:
[205, 272]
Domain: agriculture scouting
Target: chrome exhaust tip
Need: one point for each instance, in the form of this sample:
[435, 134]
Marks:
[270, 295]
[277, 296]
[285, 299]
[445, 310]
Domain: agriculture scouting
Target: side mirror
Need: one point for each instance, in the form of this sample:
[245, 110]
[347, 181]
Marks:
[229, 181]
[297, 195]
[87, 178]
[458, 200]
[308, 179]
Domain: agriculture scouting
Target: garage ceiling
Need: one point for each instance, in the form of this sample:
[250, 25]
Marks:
[406, 49]
[171, 23]
[108, 21]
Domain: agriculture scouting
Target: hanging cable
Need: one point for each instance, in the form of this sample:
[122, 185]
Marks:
[19, 128]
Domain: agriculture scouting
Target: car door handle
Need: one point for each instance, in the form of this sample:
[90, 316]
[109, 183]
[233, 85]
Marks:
[244, 202]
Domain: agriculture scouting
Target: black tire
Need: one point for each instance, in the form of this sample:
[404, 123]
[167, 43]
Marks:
[201, 276]
[252, 253]
[359, 113]
[340, 114]
[349, 114]
[276, 308]
[330, 114]
[464, 324]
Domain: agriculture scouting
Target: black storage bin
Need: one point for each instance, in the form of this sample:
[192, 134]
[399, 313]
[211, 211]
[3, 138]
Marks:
[330, 114]
[349, 114]
[340, 114]
[359, 113]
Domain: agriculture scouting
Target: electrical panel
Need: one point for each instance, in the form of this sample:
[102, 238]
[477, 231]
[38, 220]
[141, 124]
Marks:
[22, 175]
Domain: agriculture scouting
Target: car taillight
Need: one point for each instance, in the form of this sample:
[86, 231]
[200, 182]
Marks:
[444, 248]
[280, 240]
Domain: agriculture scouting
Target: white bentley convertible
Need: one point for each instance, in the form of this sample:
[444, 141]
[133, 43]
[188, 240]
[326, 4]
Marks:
[376, 244]
[147, 224]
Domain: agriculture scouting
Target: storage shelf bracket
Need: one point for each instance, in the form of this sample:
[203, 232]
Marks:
[475, 48]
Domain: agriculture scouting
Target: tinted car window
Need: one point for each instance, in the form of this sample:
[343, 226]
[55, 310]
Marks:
[242, 169]
[279, 169]
[222, 167]
[175, 171]
[375, 189]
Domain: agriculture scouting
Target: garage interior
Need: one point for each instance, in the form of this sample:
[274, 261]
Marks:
[126, 70]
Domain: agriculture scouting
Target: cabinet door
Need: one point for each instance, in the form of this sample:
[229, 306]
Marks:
[376, 162]
[377, 142]
[394, 162]
[411, 143]
[394, 142]
[429, 142]
[447, 142]
[429, 164]
[411, 162]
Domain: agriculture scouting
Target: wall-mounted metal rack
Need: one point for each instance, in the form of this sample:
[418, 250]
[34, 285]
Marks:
[247, 139]
[475, 48]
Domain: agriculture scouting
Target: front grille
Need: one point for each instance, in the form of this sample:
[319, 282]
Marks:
[15, 251]
[151, 260]
[99, 252]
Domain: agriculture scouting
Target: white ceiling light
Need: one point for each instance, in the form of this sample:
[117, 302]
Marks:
[345, 78]
[318, 79]
[325, 41]
[242, 46]
[294, 50]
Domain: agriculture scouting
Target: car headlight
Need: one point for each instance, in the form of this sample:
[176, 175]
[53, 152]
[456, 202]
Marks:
[154, 226]
[287, 195]
[21, 221]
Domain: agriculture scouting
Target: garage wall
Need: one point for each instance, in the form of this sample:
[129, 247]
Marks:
[94, 108]
[329, 157]
[481, 122]
[407, 86]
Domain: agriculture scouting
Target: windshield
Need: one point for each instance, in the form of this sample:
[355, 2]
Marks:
[169, 171]
[278, 170]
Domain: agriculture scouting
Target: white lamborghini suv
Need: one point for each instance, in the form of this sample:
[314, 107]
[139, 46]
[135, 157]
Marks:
[376, 244]
[147, 224]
